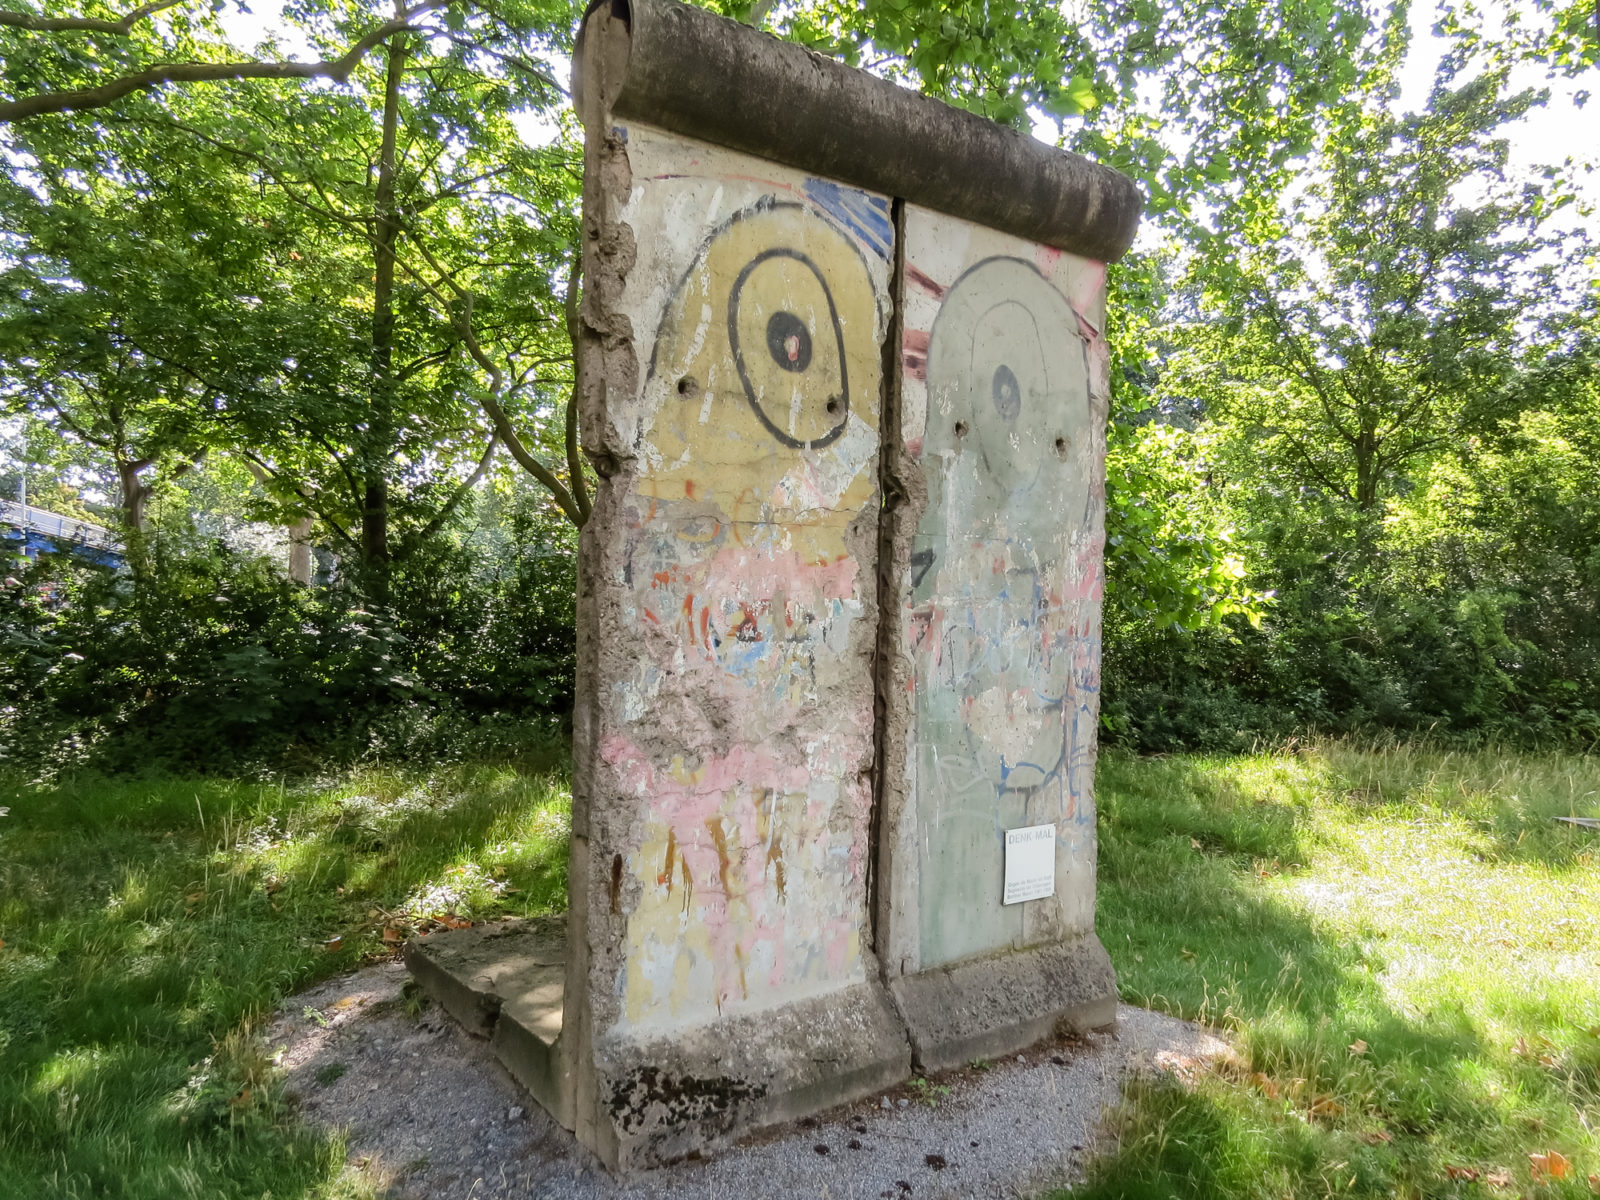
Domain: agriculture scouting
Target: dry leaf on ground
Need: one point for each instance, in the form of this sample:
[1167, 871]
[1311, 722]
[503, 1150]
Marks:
[1550, 1165]
[1358, 1047]
[1326, 1107]
[1266, 1083]
[1377, 1137]
[1454, 1172]
[1500, 1177]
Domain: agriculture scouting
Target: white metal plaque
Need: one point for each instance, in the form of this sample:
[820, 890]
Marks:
[1030, 863]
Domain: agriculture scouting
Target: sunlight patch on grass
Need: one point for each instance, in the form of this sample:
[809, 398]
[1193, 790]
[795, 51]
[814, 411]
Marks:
[1405, 946]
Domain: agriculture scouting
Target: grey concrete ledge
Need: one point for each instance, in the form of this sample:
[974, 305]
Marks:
[668, 1096]
[1002, 1003]
[688, 71]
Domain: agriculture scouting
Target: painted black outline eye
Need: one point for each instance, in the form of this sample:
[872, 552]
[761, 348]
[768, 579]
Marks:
[789, 341]
[744, 372]
[1007, 393]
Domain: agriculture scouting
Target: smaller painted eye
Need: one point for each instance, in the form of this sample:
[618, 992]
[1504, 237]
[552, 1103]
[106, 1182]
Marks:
[1007, 393]
[789, 341]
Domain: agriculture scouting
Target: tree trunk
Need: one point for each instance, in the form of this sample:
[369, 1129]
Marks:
[300, 551]
[1366, 448]
[133, 496]
[380, 425]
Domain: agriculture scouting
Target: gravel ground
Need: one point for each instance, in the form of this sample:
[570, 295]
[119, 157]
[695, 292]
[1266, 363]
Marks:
[431, 1114]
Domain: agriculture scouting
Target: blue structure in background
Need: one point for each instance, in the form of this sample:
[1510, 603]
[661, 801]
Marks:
[36, 531]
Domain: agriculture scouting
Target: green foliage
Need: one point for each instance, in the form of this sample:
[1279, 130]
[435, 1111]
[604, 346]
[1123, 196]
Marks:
[1376, 314]
[1169, 554]
[215, 662]
[1388, 376]
[150, 926]
[356, 288]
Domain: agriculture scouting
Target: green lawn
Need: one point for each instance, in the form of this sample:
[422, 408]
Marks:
[147, 925]
[1420, 907]
[1406, 949]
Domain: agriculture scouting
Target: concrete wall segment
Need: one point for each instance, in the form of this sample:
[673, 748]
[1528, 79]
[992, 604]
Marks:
[991, 567]
[839, 597]
[747, 592]
[733, 324]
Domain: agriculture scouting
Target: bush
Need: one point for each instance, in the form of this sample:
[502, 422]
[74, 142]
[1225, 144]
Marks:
[212, 661]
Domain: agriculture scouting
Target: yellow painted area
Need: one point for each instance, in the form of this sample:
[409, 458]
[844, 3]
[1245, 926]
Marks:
[709, 446]
[758, 452]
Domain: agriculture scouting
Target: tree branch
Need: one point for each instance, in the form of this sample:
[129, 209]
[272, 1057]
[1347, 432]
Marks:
[258, 466]
[490, 399]
[120, 27]
[202, 72]
[466, 485]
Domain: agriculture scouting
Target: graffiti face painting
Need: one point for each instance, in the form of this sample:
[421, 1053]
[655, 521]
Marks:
[755, 496]
[1002, 626]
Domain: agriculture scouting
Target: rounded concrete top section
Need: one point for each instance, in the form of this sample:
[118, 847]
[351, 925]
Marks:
[691, 72]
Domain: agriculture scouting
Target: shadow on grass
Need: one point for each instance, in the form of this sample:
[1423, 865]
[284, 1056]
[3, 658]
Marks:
[147, 924]
[1334, 1089]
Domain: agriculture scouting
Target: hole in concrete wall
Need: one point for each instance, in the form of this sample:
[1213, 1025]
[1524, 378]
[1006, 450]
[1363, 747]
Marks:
[1061, 446]
[688, 387]
[833, 406]
[961, 429]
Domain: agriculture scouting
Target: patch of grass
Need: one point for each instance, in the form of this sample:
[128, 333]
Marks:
[148, 925]
[1405, 948]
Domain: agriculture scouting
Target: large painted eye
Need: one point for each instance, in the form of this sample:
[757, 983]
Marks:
[789, 341]
[1006, 374]
[788, 347]
[1007, 393]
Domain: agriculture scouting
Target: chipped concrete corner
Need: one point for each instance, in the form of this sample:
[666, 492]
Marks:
[838, 616]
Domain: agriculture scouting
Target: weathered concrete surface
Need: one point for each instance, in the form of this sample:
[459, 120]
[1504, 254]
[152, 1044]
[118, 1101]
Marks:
[733, 324]
[995, 1005]
[472, 972]
[505, 981]
[992, 564]
[684, 69]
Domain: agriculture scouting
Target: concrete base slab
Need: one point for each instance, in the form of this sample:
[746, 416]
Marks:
[505, 981]
[988, 1007]
[664, 1098]
[428, 1113]
[669, 1097]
